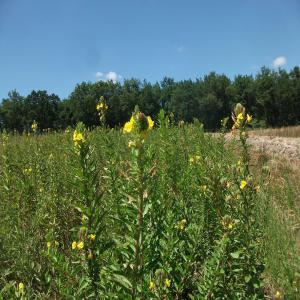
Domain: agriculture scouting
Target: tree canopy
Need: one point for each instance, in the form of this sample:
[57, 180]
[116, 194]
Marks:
[272, 96]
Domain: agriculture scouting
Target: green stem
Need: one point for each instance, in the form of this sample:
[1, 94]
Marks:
[93, 269]
[139, 243]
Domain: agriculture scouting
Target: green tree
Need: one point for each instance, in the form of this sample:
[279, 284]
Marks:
[183, 102]
[12, 112]
[42, 108]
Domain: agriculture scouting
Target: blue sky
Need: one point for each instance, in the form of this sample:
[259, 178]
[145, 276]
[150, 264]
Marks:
[54, 45]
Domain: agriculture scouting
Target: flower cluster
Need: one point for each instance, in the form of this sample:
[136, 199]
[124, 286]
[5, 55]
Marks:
[151, 286]
[78, 245]
[227, 222]
[102, 107]
[27, 170]
[21, 288]
[240, 118]
[78, 138]
[34, 126]
[181, 224]
[166, 283]
[194, 159]
[278, 295]
[139, 124]
[92, 237]
[243, 184]
[54, 244]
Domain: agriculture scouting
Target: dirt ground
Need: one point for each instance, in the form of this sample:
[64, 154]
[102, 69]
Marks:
[283, 147]
[287, 148]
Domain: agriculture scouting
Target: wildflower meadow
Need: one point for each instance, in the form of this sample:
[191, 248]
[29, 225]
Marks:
[152, 210]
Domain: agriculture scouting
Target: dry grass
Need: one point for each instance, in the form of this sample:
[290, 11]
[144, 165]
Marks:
[282, 229]
[290, 131]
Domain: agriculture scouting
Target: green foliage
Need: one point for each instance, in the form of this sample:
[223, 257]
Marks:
[171, 214]
[272, 97]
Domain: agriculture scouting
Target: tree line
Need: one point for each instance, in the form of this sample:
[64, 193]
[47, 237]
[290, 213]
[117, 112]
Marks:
[271, 96]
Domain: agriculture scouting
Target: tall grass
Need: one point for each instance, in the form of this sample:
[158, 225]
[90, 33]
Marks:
[177, 215]
[289, 131]
[281, 208]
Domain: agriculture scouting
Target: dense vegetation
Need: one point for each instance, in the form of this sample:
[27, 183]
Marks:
[273, 97]
[168, 213]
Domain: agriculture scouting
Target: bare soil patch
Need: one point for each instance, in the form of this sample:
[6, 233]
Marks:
[284, 147]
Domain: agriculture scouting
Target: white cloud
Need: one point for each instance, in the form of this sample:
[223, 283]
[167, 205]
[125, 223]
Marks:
[113, 76]
[110, 76]
[279, 61]
[99, 75]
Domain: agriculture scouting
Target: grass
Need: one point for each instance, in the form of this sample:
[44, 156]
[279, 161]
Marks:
[289, 131]
[163, 219]
[282, 222]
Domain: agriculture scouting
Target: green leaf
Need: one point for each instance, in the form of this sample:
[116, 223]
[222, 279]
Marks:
[122, 280]
[235, 255]
[84, 283]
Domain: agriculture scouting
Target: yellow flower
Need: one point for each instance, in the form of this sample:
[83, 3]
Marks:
[34, 126]
[77, 137]
[92, 236]
[181, 224]
[28, 171]
[167, 283]
[227, 222]
[150, 122]
[139, 123]
[151, 286]
[277, 295]
[243, 184]
[194, 159]
[128, 127]
[48, 245]
[21, 287]
[238, 121]
[84, 218]
[203, 187]
[249, 118]
[80, 245]
[240, 117]
[56, 243]
[101, 106]
[74, 245]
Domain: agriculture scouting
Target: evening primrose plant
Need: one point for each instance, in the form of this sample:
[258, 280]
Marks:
[93, 212]
[88, 245]
[138, 127]
[34, 126]
[102, 108]
[137, 213]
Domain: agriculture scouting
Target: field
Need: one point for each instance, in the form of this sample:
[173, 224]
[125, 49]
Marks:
[290, 131]
[168, 213]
